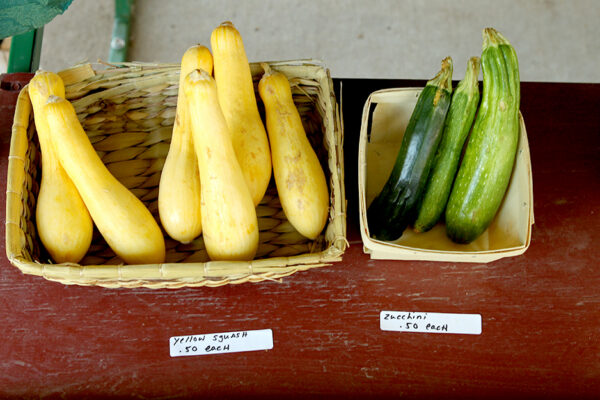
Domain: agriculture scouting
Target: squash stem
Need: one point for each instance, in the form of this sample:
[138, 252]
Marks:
[266, 68]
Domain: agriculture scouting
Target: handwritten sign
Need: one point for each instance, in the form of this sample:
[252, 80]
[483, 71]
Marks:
[219, 343]
[406, 321]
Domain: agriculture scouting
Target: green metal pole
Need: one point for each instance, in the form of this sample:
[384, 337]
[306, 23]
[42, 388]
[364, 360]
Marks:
[25, 51]
[119, 44]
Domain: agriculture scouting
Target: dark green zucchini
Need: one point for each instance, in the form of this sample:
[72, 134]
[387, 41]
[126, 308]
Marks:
[456, 129]
[394, 208]
[489, 158]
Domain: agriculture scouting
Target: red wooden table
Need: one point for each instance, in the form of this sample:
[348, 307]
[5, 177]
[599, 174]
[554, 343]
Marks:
[540, 311]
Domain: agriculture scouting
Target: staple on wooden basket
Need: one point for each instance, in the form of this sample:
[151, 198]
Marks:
[134, 103]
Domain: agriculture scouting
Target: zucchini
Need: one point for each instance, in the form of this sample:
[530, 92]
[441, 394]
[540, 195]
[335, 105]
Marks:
[394, 207]
[489, 158]
[456, 129]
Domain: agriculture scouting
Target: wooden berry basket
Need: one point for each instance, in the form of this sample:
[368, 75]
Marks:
[128, 113]
[386, 114]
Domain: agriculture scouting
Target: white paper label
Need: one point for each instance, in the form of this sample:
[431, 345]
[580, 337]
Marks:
[407, 321]
[219, 343]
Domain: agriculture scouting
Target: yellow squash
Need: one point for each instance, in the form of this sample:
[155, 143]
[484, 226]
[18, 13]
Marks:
[179, 187]
[63, 222]
[238, 103]
[300, 180]
[122, 219]
[230, 225]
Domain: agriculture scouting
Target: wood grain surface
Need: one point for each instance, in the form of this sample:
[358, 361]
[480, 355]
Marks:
[540, 311]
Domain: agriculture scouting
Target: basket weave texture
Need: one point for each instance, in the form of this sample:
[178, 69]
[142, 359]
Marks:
[128, 113]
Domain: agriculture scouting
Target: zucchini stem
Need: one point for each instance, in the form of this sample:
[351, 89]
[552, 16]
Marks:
[443, 79]
[471, 78]
[492, 37]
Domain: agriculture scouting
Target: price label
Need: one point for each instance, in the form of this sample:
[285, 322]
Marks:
[219, 343]
[425, 322]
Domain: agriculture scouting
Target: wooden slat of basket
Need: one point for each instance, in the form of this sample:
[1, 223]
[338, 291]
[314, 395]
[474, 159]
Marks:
[15, 181]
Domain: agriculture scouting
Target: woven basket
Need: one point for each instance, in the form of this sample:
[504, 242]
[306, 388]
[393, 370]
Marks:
[135, 104]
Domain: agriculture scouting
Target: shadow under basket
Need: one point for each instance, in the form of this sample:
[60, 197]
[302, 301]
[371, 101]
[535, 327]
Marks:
[385, 117]
[128, 113]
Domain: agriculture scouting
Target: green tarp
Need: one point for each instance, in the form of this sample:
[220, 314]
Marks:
[20, 16]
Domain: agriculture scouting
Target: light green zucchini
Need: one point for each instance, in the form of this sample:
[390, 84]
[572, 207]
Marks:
[487, 165]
